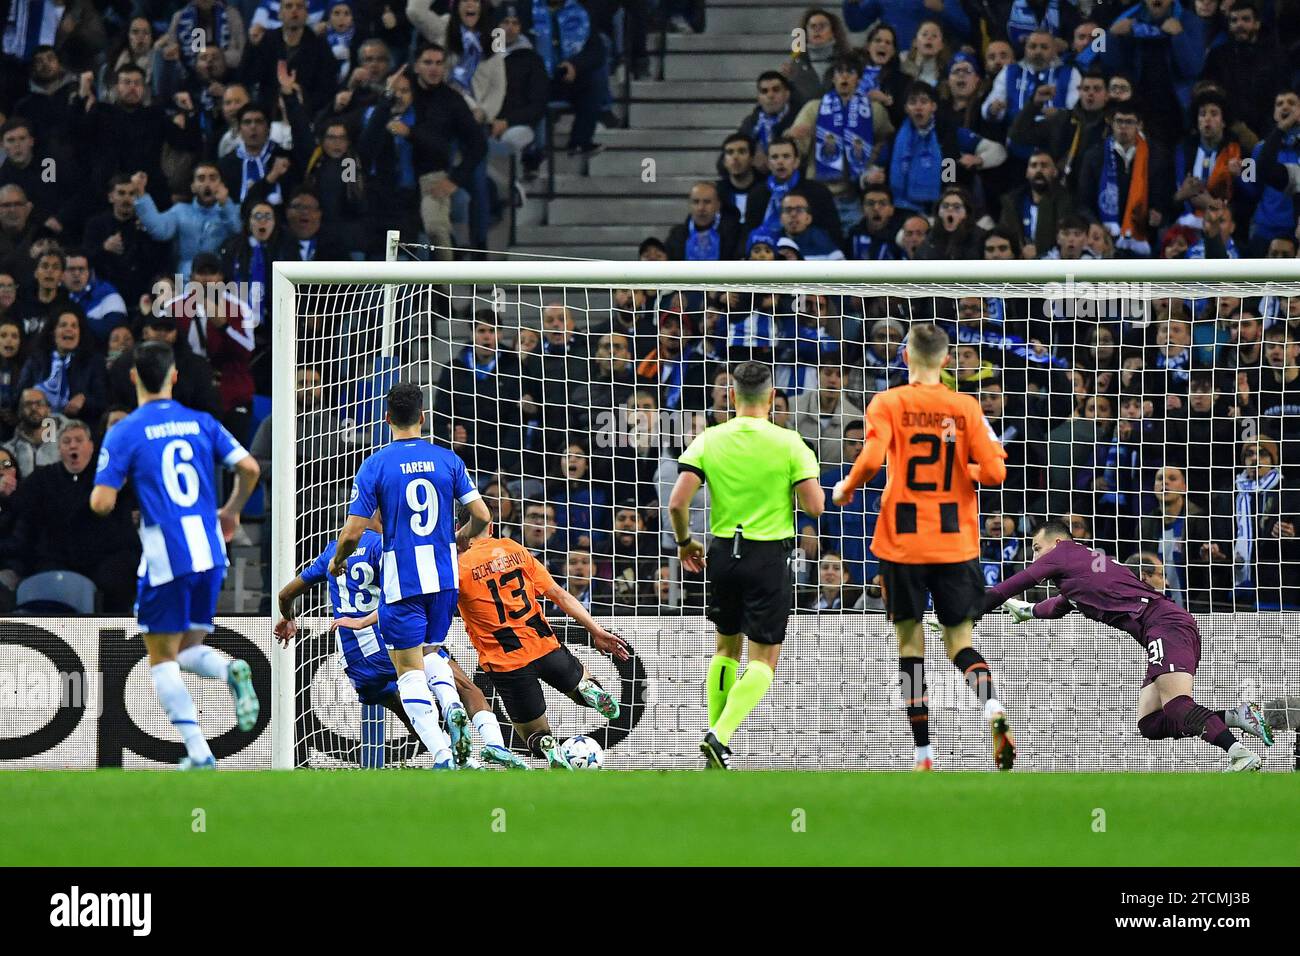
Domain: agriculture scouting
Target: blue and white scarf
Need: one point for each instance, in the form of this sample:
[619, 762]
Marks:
[575, 28]
[341, 47]
[766, 123]
[1175, 364]
[772, 215]
[704, 245]
[1173, 547]
[189, 23]
[844, 137]
[481, 371]
[254, 169]
[462, 74]
[1008, 343]
[1023, 21]
[23, 30]
[55, 387]
[1243, 547]
[916, 165]
[870, 80]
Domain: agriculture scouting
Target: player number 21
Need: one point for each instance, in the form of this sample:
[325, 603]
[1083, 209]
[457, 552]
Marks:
[423, 502]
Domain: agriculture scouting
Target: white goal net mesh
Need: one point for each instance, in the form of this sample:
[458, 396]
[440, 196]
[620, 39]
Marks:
[1161, 420]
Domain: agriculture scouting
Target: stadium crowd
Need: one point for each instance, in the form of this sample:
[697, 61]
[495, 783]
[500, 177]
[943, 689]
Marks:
[159, 156]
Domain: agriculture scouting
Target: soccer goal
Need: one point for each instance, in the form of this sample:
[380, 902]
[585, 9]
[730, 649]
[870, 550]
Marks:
[1155, 405]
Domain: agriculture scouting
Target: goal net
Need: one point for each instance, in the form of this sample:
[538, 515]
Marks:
[1155, 406]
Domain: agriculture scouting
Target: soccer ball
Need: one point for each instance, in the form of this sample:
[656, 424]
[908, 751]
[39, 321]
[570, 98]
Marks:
[583, 753]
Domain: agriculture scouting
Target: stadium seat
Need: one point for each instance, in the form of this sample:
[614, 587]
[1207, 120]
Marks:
[57, 592]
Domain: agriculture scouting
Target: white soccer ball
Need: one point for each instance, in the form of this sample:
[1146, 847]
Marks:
[583, 753]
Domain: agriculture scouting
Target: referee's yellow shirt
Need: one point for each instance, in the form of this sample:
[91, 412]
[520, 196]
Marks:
[750, 465]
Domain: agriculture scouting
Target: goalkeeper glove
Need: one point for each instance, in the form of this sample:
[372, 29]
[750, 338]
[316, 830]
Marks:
[1020, 611]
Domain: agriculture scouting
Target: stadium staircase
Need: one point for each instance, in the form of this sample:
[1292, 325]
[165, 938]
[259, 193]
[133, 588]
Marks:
[604, 210]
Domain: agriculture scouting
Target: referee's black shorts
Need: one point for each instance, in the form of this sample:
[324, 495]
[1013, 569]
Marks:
[752, 594]
[957, 590]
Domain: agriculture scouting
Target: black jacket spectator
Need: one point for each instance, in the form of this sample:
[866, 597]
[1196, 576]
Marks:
[194, 388]
[821, 204]
[443, 120]
[731, 235]
[1251, 73]
[527, 87]
[121, 252]
[311, 61]
[1052, 208]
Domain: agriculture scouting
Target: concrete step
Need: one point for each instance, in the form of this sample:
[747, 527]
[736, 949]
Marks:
[761, 17]
[563, 240]
[678, 186]
[730, 65]
[629, 165]
[693, 91]
[689, 137]
[623, 253]
[653, 211]
[775, 42]
[674, 115]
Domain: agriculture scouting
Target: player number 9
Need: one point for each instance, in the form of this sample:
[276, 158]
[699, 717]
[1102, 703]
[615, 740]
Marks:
[423, 501]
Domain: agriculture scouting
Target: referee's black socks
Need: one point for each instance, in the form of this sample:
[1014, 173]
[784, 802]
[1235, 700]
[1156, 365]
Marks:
[912, 670]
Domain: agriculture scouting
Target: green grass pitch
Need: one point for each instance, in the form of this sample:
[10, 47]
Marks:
[645, 818]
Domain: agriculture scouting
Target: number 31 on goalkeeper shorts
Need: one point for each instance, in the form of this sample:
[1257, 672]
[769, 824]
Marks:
[1156, 651]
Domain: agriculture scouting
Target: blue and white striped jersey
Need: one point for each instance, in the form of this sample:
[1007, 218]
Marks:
[170, 452]
[355, 593]
[416, 486]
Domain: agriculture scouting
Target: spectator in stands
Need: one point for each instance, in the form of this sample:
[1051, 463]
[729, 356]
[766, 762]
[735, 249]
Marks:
[388, 153]
[883, 79]
[60, 533]
[219, 326]
[574, 57]
[771, 118]
[1216, 240]
[609, 385]
[837, 133]
[797, 225]
[41, 302]
[834, 592]
[652, 250]
[1125, 181]
[19, 230]
[103, 305]
[1273, 187]
[1175, 527]
[36, 171]
[527, 90]
[48, 103]
[916, 157]
[136, 45]
[121, 340]
[783, 163]
[126, 136]
[822, 413]
[912, 236]
[200, 226]
[928, 56]
[305, 54]
[710, 233]
[998, 55]
[65, 367]
[905, 17]
[1071, 239]
[1041, 68]
[872, 237]
[1066, 135]
[1279, 390]
[1250, 66]
[259, 166]
[12, 357]
[739, 180]
[955, 234]
[441, 118]
[1002, 549]
[1160, 47]
[121, 251]
[11, 556]
[35, 441]
[1001, 245]
[1266, 522]
[1204, 162]
[216, 24]
[809, 67]
[1032, 212]
[1028, 17]
[1149, 569]
[596, 595]
[540, 534]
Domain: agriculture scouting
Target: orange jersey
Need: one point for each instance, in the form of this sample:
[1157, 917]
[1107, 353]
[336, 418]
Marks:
[930, 435]
[500, 584]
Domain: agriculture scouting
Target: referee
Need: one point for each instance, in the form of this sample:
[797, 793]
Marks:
[751, 466]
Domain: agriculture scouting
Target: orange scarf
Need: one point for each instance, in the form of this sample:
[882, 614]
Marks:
[1134, 222]
[1220, 181]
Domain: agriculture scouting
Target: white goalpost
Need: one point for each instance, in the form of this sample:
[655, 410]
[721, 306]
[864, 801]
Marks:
[1153, 404]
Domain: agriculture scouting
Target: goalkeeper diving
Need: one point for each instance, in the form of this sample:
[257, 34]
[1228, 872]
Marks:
[1103, 590]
